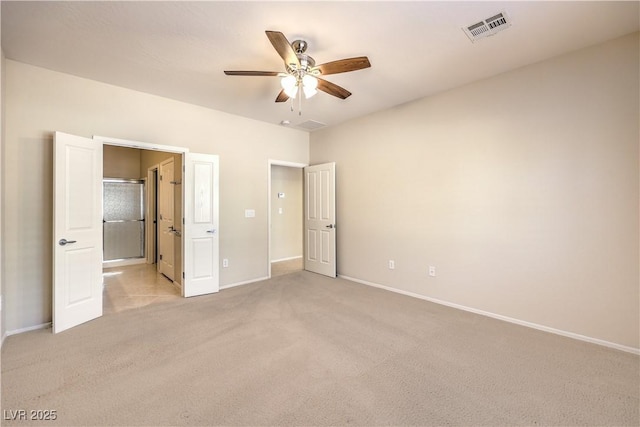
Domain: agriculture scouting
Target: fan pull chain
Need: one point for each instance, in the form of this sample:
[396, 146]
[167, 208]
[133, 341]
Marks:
[292, 100]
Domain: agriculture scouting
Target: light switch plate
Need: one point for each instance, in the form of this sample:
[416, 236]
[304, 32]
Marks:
[249, 213]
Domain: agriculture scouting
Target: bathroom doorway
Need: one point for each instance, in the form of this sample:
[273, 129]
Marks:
[285, 218]
[132, 249]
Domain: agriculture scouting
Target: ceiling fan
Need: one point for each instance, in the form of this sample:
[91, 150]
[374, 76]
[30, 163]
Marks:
[302, 73]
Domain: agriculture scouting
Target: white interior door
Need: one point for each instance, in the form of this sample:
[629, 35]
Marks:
[320, 219]
[77, 231]
[200, 229]
[166, 234]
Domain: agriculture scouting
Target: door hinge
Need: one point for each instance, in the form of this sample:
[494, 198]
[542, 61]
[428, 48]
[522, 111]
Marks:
[160, 177]
[160, 217]
[160, 257]
[183, 274]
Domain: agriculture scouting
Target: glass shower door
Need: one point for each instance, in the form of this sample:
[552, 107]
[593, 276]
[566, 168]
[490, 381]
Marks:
[123, 226]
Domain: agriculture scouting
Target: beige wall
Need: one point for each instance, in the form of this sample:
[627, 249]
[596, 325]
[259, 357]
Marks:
[39, 102]
[521, 189]
[121, 162]
[286, 213]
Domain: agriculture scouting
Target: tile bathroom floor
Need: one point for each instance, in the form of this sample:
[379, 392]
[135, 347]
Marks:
[139, 285]
[135, 286]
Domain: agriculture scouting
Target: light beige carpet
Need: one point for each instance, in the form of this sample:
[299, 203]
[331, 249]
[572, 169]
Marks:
[302, 349]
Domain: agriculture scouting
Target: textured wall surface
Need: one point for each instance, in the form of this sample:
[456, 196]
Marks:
[521, 189]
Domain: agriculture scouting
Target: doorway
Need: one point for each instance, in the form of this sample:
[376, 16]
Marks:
[152, 272]
[286, 237]
[78, 233]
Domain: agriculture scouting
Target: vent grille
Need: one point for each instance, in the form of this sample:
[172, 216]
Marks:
[488, 27]
[311, 125]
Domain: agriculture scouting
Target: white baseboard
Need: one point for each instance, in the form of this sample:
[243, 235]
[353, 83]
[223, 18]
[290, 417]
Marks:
[233, 285]
[124, 262]
[28, 329]
[567, 334]
[286, 259]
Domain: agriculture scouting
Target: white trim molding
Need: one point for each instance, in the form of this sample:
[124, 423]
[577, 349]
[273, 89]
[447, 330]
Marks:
[141, 145]
[123, 262]
[286, 259]
[531, 325]
[28, 329]
[288, 164]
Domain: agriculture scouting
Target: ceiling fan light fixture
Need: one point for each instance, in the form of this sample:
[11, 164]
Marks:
[309, 85]
[309, 92]
[290, 86]
[301, 70]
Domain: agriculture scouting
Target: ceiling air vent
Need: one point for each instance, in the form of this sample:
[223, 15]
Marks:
[311, 125]
[488, 27]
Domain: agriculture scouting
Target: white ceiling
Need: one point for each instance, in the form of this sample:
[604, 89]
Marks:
[180, 49]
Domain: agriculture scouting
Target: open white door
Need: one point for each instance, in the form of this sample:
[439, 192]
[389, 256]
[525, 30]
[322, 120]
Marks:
[166, 220]
[77, 231]
[200, 229]
[320, 218]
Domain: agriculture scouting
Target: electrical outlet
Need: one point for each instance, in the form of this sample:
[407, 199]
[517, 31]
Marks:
[225, 263]
[432, 271]
[392, 264]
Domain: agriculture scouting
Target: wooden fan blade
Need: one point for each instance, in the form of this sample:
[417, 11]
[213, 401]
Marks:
[344, 65]
[333, 89]
[252, 73]
[282, 97]
[283, 47]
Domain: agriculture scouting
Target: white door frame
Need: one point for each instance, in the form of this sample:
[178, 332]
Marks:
[141, 145]
[153, 147]
[272, 162]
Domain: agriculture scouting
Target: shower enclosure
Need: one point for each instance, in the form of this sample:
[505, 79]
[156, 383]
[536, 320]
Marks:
[123, 222]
